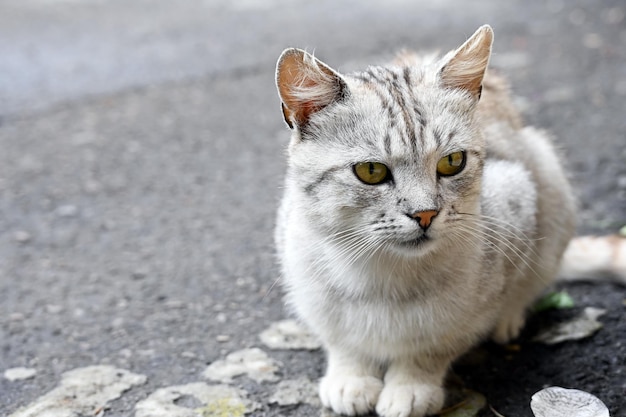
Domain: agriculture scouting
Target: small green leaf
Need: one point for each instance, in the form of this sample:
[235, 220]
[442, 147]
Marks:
[555, 300]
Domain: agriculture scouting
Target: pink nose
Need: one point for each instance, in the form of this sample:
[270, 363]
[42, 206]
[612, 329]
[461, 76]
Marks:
[425, 217]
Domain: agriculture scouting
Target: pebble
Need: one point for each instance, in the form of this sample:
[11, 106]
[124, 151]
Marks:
[92, 187]
[288, 334]
[125, 353]
[583, 326]
[216, 400]
[54, 308]
[561, 402]
[253, 363]
[16, 316]
[22, 236]
[577, 17]
[593, 41]
[67, 211]
[82, 391]
[19, 374]
[614, 15]
[296, 391]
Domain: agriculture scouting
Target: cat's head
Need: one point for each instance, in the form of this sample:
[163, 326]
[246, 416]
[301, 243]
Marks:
[388, 156]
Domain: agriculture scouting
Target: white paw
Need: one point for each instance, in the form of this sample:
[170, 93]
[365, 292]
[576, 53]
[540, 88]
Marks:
[350, 395]
[508, 328]
[409, 400]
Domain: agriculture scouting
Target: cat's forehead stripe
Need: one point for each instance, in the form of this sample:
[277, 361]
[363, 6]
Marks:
[387, 143]
[393, 87]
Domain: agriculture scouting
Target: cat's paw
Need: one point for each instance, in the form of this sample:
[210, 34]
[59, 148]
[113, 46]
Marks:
[409, 400]
[350, 395]
[508, 328]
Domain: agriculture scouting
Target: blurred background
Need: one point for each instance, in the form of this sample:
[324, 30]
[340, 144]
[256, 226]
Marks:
[141, 161]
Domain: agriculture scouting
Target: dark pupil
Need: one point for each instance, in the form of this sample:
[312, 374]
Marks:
[371, 166]
[450, 160]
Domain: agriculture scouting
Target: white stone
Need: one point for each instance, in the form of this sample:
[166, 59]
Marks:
[253, 363]
[82, 391]
[19, 374]
[67, 211]
[561, 402]
[289, 334]
[296, 391]
[216, 400]
[22, 236]
[582, 326]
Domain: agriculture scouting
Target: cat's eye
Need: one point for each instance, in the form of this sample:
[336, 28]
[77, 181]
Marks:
[371, 173]
[451, 164]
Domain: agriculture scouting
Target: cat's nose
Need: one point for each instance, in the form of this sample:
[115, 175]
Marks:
[424, 217]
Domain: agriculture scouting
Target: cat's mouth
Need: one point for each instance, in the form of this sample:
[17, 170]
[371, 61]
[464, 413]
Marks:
[414, 243]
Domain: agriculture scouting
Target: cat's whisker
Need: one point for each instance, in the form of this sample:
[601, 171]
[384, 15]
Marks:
[502, 225]
[503, 229]
[353, 245]
[271, 287]
[501, 238]
[523, 257]
[517, 232]
[483, 230]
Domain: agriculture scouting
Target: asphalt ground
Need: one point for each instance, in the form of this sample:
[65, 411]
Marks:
[141, 162]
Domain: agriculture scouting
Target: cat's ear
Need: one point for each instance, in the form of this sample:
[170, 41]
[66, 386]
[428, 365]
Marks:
[465, 67]
[306, 85]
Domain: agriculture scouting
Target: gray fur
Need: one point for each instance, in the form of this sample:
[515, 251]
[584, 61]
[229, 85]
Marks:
[393, 304]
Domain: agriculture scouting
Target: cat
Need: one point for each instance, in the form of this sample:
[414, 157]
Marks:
[419, 217]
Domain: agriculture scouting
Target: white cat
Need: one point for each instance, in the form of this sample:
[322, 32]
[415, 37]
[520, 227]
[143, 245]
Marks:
[419, 217]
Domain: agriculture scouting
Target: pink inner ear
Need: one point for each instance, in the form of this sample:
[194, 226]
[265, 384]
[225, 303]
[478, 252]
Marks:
[289, 78]
[305, 85]
[466, 69]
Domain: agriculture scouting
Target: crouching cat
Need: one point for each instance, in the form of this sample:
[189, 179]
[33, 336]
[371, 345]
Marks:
[419, 217]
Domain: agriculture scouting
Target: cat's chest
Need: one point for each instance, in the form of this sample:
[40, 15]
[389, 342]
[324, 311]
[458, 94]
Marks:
[394, 328]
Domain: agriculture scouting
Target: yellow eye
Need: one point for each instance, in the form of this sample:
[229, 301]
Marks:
[371, 172]
[451, 164]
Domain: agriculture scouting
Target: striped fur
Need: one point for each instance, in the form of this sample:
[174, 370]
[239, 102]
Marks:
[394, 302]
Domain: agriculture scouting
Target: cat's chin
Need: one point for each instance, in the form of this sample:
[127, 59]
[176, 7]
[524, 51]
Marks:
[415, 247]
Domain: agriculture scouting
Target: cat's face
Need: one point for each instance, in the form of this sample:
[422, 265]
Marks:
[388, 158]
[363, 177]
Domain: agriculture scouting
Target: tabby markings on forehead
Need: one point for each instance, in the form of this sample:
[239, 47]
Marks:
[371, 82]
[438, 134]
[450, 137]
[386, 83]
[387, 143]
[406, 73]
[397, 92]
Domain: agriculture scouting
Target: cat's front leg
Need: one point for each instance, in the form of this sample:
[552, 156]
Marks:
[351, 385]
[411, 390]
